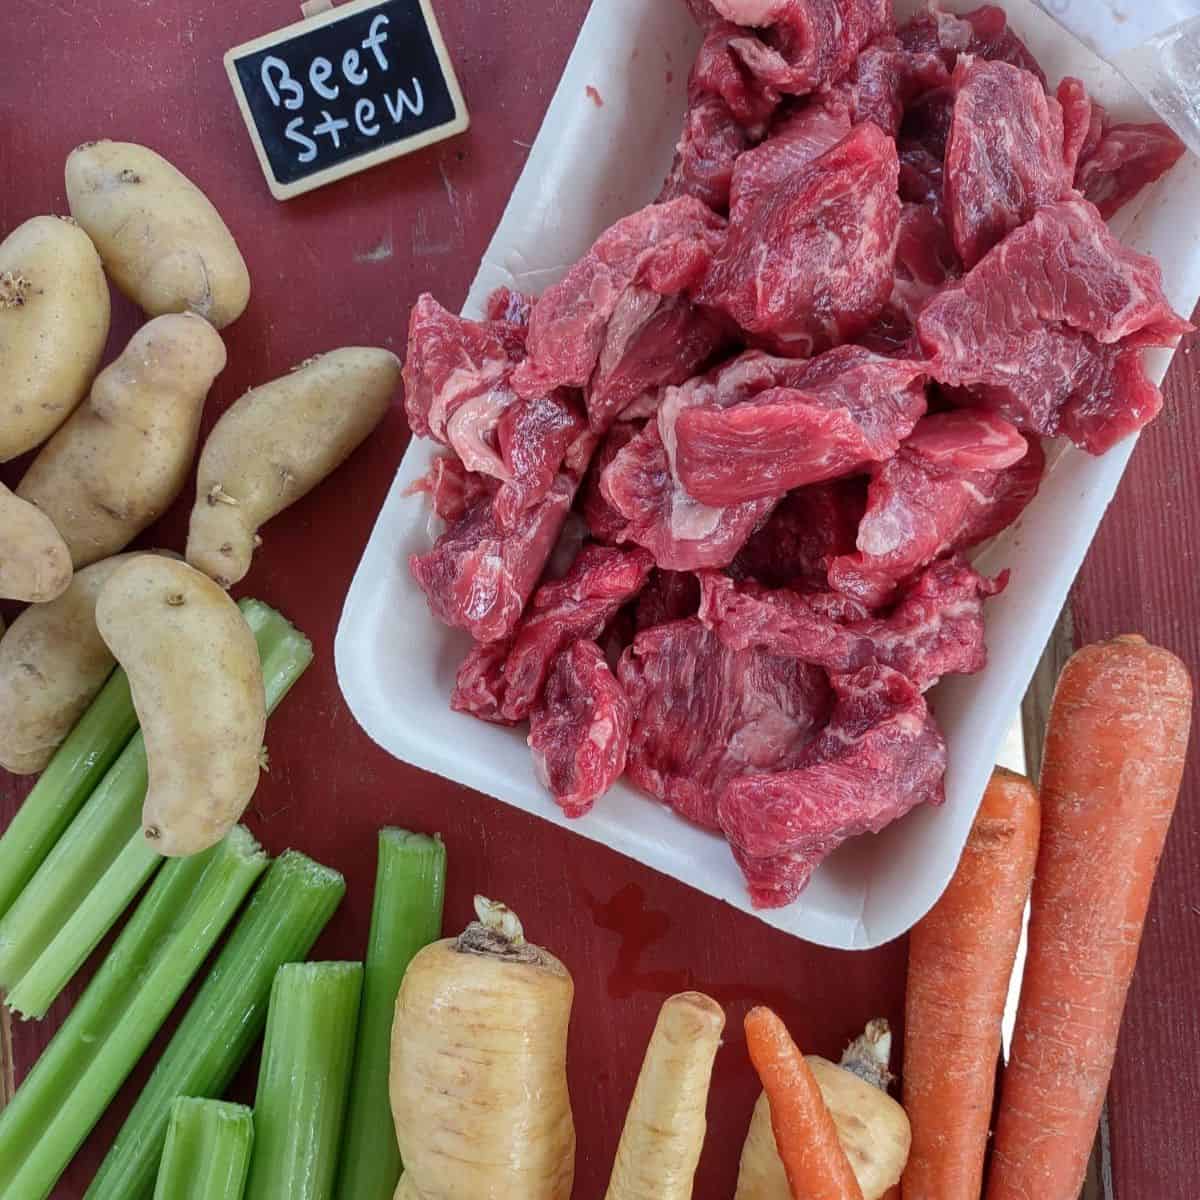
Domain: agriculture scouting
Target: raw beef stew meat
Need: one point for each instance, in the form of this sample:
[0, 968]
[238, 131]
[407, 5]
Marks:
[708, 498]
[579, 731]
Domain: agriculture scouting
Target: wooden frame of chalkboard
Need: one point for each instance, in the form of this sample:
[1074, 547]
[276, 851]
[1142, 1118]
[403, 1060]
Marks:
[290, 94]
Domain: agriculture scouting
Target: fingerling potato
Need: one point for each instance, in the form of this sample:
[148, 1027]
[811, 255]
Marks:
[276, 444]
[197, 686]
[162, 241]
[117, 465]
[35, 564]
[54, 313]
[53, 662]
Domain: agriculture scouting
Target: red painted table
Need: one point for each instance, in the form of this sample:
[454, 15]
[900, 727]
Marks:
[341, 266]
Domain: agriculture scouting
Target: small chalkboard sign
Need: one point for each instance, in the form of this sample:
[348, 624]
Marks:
[344, 90]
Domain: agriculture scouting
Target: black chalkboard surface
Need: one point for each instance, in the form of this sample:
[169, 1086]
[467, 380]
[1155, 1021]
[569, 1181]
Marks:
[344, 90]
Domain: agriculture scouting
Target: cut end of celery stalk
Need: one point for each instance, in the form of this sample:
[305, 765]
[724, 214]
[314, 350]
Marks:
[207, 1152]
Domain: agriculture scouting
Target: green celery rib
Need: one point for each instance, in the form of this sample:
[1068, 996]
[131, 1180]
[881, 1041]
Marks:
[163, 946]
[207, 1153]
[410, 885]
[69, 778]
[282, 921]
[102, 861]
[303, 1080]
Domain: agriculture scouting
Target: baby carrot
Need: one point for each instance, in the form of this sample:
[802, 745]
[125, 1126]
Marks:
[1114, 758]
[817, 1166]
[960, 961]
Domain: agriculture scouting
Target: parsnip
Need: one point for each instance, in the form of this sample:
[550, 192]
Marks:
[122, 458]
[197, 685]
[35, 564]
[478, 1067]
[275, 445]
[872, 1128]
[664, 1130]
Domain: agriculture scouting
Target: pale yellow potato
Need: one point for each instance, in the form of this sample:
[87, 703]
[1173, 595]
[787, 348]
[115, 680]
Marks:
[54, 313]
[35, 564]
[118, 464]
[872, 1128]
[53, 663]
[276, 444]
[197, 687]
[162, 241]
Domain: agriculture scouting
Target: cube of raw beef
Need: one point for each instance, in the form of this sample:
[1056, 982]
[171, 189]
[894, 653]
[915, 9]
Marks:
[984, 33]
[705, 714]
[533, 438]
[662, 249]
[678, 530]
[810, 262]
[810, 528]
[790, 623]
[813, 420]
[1125, 159]
[1005, 155]
[604, 523]
[959, 480]
[879, 757]
[1046, 329]
[733, 65]
[579, 605]
[936, 628]
[478, 576]
[579, 731]
[706, 154]
[651, 342]
[479, 686]
[798, 136]
[451, 488]
[887, 78]
[669, 596]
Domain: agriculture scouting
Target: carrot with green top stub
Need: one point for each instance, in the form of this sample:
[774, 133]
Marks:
[960, 961]
[816, 1165]
[1114, 759]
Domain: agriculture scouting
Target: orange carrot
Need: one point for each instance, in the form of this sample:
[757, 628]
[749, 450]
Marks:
[1115, 750]
[960, 961]
[816, 1164]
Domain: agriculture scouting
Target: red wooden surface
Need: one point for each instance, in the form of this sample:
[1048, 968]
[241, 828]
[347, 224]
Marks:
[341, 266]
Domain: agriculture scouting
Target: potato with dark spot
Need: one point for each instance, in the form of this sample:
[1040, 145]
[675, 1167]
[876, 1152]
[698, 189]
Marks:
[54, 313]
[276, 444]
[197, 686]
[162, 241]
[35, 564]
[121, 460]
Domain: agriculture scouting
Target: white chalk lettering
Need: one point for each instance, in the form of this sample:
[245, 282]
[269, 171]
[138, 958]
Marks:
[375, 39]
[295, 93]
[293, 134]
[331, 126]
[319, 72]
[415, 103]
[364, 117]
[354, 74]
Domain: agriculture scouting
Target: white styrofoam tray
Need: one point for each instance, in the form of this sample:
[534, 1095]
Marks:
[589, 166]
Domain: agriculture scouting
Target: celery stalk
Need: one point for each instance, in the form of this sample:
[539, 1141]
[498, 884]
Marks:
[410, 884]
[282, 921]
[69, 778]
[207, 1153]
[154, 959]
[102, 861]
[303, 1080]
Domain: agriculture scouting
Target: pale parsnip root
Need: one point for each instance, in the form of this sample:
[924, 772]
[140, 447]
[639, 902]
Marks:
[478, 1068]
[872, 1128]
[54, 314]
[53, 663]
[162, 241]
[664, 1130]
[35, 564]
[276, 444]
[119, 462]
[197, 685]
